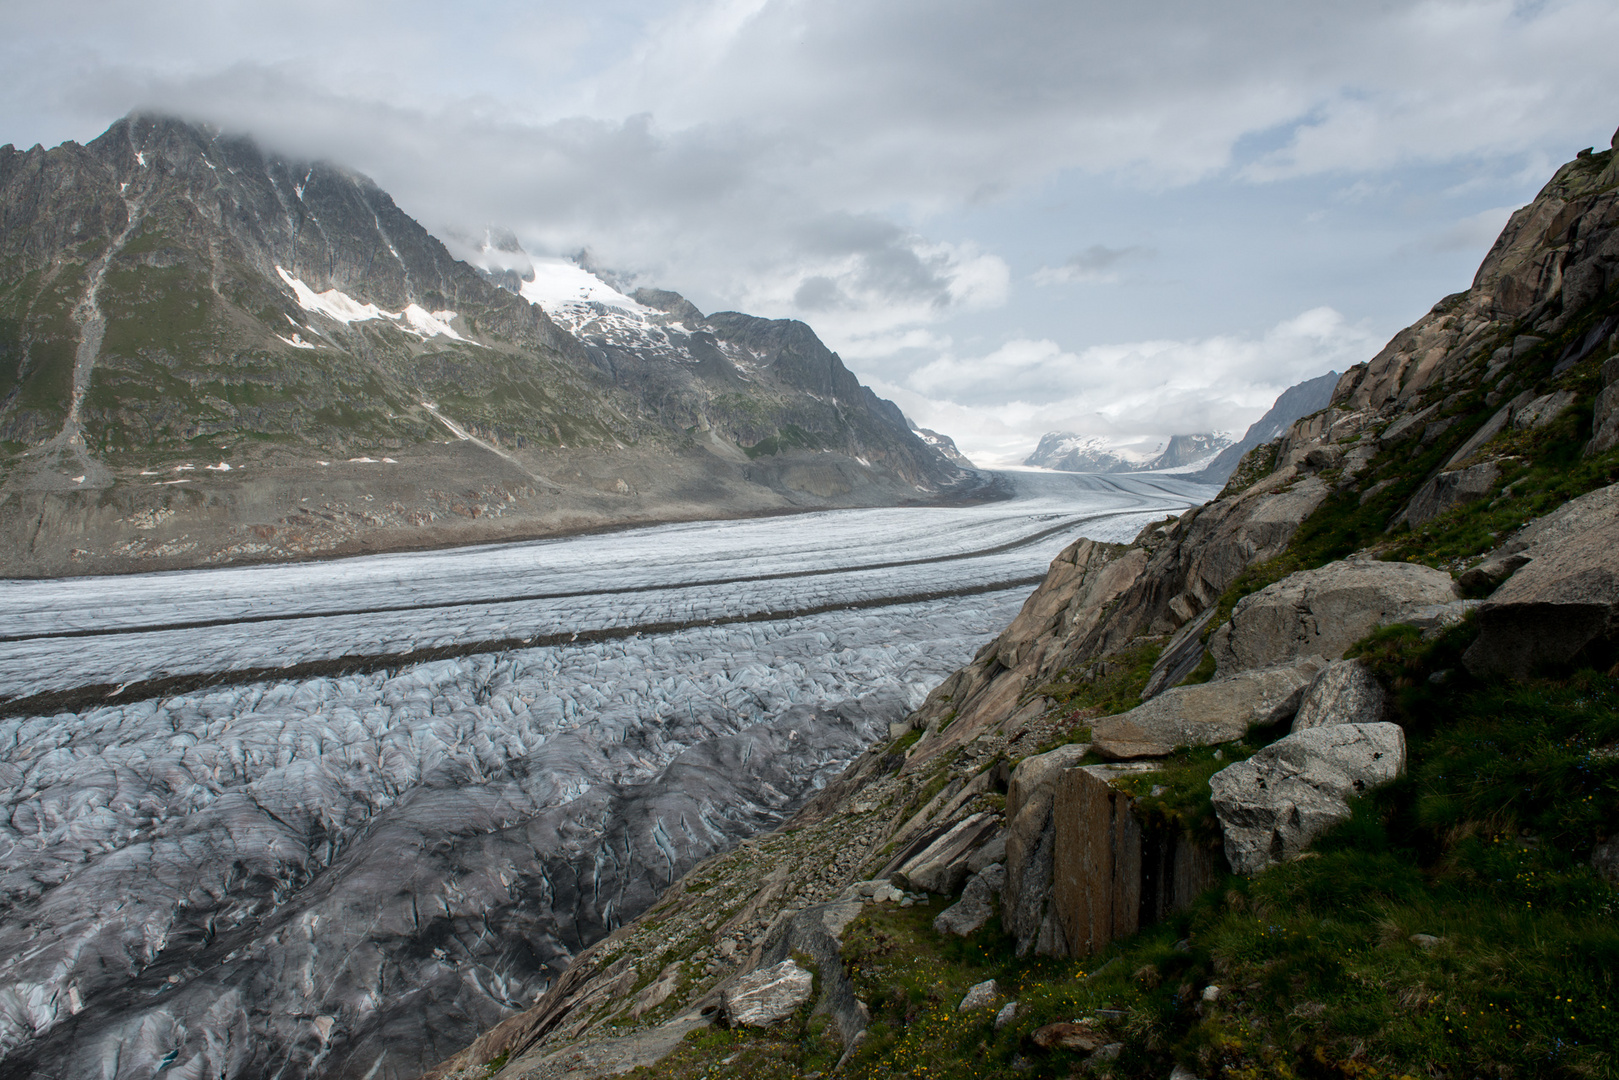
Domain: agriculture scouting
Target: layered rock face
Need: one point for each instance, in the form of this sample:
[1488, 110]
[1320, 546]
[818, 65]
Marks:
[197, 337]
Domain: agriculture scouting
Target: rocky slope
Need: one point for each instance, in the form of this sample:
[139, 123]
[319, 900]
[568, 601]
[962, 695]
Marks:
[197, 336]
[1165, 712]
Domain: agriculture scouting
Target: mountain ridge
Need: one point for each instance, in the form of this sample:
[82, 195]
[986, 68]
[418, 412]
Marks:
[168, 292]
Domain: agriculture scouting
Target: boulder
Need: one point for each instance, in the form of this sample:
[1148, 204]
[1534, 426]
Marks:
[1344, 693]
[1025, 900]
[1605, 413]
[1323, 611]
[1541, 536]
[1205, 713]
[1273, 805]
[1563, 607]
[1112, 872]
[1570, 521]
[980, 996]
[969, 914]
[1066, 1036]
[1543, 410]
[816, 933]
[766, 996]
[1448, 490]
[1605, 861]
[941, 866]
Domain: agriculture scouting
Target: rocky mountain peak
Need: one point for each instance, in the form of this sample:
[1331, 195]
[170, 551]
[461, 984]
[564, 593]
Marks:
[168, 291]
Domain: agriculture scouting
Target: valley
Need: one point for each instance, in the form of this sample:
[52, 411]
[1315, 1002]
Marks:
[357, 864]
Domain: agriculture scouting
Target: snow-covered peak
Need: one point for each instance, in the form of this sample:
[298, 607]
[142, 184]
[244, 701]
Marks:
[592, 310]
[1093, 453]
[561, 283]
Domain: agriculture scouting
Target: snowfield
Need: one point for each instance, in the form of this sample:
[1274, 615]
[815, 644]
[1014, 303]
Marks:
[354, 874]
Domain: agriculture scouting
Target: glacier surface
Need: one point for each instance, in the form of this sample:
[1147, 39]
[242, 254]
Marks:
[354, 873]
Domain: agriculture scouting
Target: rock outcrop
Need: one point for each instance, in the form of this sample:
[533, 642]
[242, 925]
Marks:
[1085, 859]
[1113, 873]
[977, 903]
[1322, 612]
[1272, 805]
[766, 996]
[1561, 606]
[1449, 490]
[1030, 844]
[1207, 713]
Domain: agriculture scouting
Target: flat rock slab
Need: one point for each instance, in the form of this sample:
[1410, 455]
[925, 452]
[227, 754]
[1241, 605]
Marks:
[1274, 804]
[1323, 611]
[1066, 1036]
[941, 867]
[1207, 713]
[1558, 607]
[767, 996]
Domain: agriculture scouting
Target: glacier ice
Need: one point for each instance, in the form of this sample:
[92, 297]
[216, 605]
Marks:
[358, 872]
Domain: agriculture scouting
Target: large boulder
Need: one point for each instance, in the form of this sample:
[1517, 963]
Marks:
[766, 996]
[815, 934]
[1322, 612]
[1025, 900]
[1545, 534]
[1206, 713]
[1274, 804]
[1113, 872]
[1561, 608]
[1345, 692]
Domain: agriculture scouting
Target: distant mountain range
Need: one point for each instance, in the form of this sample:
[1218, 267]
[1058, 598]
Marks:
[209, 353]
[1206, 458]
[1090, 453]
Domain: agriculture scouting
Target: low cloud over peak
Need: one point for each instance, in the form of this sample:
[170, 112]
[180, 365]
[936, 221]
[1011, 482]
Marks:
[916, 180]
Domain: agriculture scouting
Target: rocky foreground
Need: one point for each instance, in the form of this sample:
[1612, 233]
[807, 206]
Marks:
[1145, 764]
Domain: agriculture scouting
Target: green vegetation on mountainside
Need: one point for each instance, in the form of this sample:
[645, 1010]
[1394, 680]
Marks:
[1452, 928]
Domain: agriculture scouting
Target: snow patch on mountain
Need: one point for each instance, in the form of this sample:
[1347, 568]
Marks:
[340, 307]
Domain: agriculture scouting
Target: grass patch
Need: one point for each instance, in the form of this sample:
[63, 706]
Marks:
[1107, 686]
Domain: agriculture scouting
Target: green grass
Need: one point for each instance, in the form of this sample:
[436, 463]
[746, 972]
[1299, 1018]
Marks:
[790, 437]
[1110, 685]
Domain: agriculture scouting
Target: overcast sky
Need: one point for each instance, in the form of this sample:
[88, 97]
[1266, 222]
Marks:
[1123, 219]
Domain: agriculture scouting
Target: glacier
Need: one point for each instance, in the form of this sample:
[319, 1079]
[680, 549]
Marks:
[395, 794]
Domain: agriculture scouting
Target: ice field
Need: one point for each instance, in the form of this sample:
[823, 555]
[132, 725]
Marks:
[355, 873]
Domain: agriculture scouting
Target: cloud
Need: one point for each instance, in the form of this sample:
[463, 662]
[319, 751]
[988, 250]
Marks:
[1095, 264]
[997, 405]
[1472, 233]
[838, 161]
